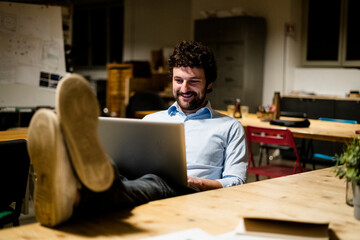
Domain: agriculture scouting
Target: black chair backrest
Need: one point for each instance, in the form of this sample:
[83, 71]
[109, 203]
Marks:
[14, 170]
[144, 100]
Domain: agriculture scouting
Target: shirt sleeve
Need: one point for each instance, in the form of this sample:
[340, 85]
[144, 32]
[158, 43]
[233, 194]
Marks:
[235, 157]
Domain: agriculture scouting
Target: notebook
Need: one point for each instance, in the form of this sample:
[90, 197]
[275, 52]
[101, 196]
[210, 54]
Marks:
[140, 147]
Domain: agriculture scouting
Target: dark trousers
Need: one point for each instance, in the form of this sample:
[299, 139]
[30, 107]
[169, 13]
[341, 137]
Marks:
[126, 193]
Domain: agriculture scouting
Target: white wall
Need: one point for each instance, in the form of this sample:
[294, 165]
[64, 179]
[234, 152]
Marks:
[152, 25]
[322, 81]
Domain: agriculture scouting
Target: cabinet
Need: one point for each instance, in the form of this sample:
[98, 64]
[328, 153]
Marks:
[14, 117]
[238, 44]
[315, 107]
[117, 88]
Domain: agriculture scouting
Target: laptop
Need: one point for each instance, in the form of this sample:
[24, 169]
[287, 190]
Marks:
[139, 147]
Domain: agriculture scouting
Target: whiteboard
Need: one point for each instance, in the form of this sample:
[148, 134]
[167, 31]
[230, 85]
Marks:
[31, 47]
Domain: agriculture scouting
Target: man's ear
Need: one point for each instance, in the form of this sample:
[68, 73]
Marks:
[209, 87]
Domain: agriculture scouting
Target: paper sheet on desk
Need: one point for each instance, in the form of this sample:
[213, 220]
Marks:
[190, 234]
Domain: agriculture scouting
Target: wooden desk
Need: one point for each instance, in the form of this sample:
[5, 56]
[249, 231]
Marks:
[20, 133]
[318, 130]
[316, 195]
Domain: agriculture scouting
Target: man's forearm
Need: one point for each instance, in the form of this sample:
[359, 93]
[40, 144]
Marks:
[201, 184]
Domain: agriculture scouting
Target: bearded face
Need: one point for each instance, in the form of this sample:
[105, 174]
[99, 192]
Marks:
[189, 88]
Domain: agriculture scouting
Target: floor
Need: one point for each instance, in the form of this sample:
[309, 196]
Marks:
[30, 218]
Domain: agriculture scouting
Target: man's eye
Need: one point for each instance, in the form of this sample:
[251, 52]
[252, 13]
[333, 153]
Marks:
[194, 82]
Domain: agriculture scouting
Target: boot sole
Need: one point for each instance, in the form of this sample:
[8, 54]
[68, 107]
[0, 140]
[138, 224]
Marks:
[78, 112]
[55, 187]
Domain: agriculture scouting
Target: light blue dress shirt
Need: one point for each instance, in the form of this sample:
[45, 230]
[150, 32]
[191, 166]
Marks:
[216, 145]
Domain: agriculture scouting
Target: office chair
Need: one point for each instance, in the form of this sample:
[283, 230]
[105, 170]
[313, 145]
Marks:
[276, 137]
[338, 120]
[144, 100]
[325, 159]
[14, 170]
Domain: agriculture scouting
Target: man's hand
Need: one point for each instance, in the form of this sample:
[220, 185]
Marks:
[200, 184]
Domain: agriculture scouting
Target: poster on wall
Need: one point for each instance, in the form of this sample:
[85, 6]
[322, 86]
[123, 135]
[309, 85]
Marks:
[29, 45]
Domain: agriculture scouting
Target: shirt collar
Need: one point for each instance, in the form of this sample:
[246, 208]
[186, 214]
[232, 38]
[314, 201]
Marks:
[202, 113]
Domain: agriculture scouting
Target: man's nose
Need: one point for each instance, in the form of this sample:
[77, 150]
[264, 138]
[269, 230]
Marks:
[184, 86]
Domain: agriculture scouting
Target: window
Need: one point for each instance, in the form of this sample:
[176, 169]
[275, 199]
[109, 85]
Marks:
[98, 34]
[331, 33]
[352, 39]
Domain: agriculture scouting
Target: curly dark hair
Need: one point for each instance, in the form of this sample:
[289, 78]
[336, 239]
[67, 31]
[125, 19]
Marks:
[194, 54]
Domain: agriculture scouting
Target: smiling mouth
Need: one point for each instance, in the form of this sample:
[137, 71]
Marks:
[187, 95]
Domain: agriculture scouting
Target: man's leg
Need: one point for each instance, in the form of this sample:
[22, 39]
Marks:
[78, 112]
[59, 189]
[58, 192]
[123, 194]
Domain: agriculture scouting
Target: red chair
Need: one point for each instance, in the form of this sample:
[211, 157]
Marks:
[273, 136]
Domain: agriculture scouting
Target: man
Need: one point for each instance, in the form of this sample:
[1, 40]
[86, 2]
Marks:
[215, 144]
[76, 177]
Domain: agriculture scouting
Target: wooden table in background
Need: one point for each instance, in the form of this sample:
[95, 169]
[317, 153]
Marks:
[316, 196]
[318, 130]
[20, 133]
